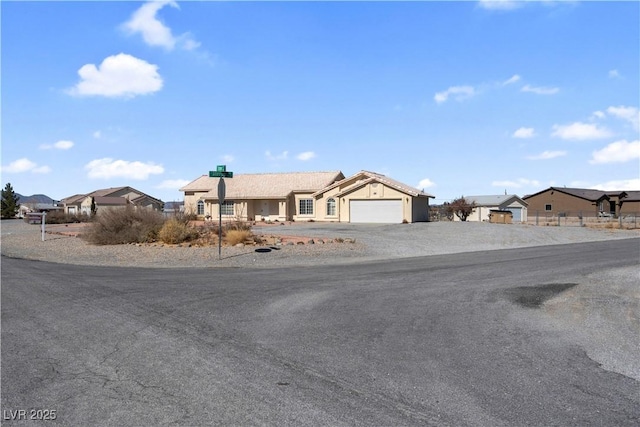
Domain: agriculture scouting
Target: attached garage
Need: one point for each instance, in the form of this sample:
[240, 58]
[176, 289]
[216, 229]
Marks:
[517, 214]
[376, 211]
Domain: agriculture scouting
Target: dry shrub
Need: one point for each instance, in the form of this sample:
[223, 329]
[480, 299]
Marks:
[176, 230]
[128, 225]
[233, 237]
[237, 225]
[57, 217]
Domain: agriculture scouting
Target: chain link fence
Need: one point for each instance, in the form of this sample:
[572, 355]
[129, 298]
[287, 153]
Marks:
[584, 219]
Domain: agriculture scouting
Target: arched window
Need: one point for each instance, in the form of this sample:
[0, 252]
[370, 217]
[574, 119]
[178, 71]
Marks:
[331, 207]
[200, 207]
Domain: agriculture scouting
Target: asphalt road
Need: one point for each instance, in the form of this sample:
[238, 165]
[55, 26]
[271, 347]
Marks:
[442, 340]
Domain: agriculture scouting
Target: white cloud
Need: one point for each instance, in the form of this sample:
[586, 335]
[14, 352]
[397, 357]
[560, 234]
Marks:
[154, 32]
[630, 114]
[426, 183]
[540, 90]
[459, 92]
[41, 169]
[580, 131]
[524, 133]
[228, 158]
[515, 78]
[545, 155]
[119, 75]
[621, 185]
[499, 4]
[24, 165]
[307, 155]
[617, 152]
[614, 74]
[598, 115]
[109, 168]
[173, 184]
[60, 145]
[281, 156]
[97, 134]
[519, 183]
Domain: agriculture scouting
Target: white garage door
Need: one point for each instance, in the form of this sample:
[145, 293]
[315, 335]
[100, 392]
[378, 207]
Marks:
[517, 214]
[376, 211]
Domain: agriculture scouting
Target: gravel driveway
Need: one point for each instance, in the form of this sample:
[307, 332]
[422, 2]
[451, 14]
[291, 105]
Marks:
[372, 242]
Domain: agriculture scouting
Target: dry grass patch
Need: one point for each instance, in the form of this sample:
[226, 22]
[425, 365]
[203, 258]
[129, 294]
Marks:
[176, 231]
[233, 237]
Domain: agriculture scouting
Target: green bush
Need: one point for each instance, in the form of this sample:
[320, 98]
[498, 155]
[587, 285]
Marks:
[128, 225]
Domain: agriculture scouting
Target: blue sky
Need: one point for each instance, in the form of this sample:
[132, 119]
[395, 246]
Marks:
[456, 98]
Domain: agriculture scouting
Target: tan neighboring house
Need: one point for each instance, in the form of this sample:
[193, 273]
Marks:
[308, 196]
[502, 203]
[582, 201]
[110, 198]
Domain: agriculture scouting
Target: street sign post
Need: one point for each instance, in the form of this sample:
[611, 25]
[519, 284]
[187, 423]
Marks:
[220, 172]
[38, 218]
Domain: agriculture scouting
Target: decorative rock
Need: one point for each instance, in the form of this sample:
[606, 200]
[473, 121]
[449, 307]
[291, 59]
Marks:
[311, 242]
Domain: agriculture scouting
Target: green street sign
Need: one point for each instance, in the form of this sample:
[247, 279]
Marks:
[215, 174]
[220, 172]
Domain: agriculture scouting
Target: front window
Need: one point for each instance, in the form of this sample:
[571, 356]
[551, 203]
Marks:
[331, 207]
[306, 206]
[227, 208]
[547, 208]
[200, 207]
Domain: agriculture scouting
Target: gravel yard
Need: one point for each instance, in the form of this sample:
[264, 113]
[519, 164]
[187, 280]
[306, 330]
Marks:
[372, 242]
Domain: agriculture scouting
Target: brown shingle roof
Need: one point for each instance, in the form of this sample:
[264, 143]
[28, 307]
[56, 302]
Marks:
[113, 201]
[71, 200]
[264, 185]
[104, 192]
[582, 193]
[375, 177]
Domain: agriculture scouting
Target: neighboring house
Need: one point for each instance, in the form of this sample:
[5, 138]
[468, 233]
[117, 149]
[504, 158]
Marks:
[110, 198]
[308, 196]
[486, 204]
[627, 202]
[26, 208]
[37, 203]
[173, 208]
[581, 201]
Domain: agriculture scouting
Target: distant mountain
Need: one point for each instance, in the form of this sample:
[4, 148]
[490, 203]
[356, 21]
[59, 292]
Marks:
[36, 198]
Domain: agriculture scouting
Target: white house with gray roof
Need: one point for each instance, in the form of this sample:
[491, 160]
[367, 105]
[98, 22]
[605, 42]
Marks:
[506, 202]
[309, 196]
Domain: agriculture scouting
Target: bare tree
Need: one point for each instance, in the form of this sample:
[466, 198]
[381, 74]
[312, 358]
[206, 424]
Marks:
[461, 208]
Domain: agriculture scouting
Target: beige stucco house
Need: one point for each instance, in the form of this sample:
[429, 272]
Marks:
[110, 198]
[308, 196]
